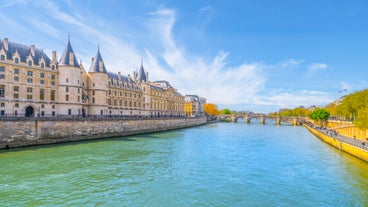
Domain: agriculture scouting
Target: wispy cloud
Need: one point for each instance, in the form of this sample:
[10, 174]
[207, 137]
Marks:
[317, 67]
[291, 63]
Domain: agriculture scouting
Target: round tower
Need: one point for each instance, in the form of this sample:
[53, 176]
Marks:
[69, 82]
[98, 87]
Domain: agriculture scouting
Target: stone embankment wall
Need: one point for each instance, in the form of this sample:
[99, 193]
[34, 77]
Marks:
[20, 133]
[348, 129]
[353, 150]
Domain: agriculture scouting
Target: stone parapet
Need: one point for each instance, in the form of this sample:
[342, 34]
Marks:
[21, 133]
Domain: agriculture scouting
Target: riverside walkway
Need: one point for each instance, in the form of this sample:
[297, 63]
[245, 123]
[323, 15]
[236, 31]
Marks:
[362, 144]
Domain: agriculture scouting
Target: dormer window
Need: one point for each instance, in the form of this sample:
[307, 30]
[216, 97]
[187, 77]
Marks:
[100, 65]
[29, 62]
[2, 57]
[42, 65]
[71, 58]
[16, 60]
[52, 67]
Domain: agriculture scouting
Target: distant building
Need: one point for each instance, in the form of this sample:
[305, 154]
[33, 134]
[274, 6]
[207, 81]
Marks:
[194, 105]
[32, 84]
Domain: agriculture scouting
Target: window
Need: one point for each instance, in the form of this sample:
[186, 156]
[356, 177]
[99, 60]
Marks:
[16, 105]
[2, 90]
[29, 62]
[53, 67]
[42, 75]
[69, 112]
[16, 71]
[2, 113]
[67, 89]
[42, 113]
[66, 97]
[42, 82]
[42, 65]
[42, 94]
[29, 97]
[93, 100]
[16, 95]
[67, 80]
[53, 83]
[2, 57]
[29, 73]
[29, 80]
[53, 106]
[93, 92]
[16, 60]
[42, 106]
[52, 95]
[2, 76]
[2, 104]
[78, 98]
[2, 69]
[52, 77]
[53, 113]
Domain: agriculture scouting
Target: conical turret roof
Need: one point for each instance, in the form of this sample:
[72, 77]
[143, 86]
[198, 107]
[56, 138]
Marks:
[68, 58]
[98, 65]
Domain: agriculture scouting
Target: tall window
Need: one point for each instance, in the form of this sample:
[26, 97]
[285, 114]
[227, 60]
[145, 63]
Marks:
[2, 57]
[69, 112]
[52, 95]
[16, 60]
[2, 90]
[29, 62]
[42, 65]
[42, 94]
[16, 71]
[2, 69]
[67, 89]
[66, 97]
[29, 90]
[29, 73]
[42, 75]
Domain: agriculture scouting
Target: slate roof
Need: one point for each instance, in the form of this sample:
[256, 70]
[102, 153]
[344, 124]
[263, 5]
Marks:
[142, 74]
[119, 77]
[24, 51]
[95, 67]
[65, 58]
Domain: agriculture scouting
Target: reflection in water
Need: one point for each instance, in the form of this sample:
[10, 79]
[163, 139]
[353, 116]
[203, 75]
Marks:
[224, 164]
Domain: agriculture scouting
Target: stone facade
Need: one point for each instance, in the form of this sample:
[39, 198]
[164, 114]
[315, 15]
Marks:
[194, 105]
[20, 133]
[33, 85]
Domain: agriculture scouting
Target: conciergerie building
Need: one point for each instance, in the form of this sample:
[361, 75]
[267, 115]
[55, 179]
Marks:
[32, 84]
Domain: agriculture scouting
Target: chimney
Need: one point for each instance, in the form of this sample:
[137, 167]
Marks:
[54, 58]
[128, 77]
[33, 50]
[147, 76]
[119, 74]
[93, 59]
[6, 43]
[135, 75]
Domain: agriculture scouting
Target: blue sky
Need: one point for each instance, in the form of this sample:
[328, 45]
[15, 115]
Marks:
[257, 55]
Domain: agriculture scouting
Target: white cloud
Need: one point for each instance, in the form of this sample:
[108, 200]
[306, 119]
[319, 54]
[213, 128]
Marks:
[288, 99]
[317, 67]
[291, 63]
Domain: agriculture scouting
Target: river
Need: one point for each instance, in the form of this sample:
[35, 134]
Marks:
[220, 164]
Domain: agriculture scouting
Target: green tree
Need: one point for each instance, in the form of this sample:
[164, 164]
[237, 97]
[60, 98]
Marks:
[361, 120]
[225, 111]
[320, 115]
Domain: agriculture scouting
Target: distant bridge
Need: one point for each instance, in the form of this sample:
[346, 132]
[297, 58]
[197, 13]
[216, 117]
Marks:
[262, 117]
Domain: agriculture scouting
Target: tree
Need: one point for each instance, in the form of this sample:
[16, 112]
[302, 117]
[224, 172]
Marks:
[320, 115]
[210, 109]
[361, 120]
[225, 111]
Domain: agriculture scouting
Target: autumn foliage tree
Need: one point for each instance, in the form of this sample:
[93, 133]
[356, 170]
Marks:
[211, 109]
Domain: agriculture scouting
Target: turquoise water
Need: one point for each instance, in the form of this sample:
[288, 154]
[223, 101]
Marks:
[214, 165]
